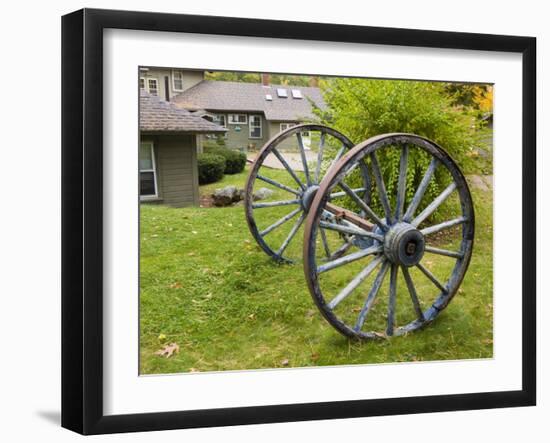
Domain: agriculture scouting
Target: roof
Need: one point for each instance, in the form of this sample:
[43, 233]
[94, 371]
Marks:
[157, 115]
[251, 97]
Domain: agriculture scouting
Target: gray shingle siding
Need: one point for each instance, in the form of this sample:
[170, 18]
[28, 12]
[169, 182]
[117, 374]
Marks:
[176, 169]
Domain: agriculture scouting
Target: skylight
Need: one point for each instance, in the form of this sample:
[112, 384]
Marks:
[268, 97]
[281, 92]
[296, 93]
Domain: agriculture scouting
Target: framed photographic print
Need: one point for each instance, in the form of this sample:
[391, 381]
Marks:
[270, 221]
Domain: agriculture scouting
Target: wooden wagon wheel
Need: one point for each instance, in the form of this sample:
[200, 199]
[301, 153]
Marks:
[433, 256]
[274, 222]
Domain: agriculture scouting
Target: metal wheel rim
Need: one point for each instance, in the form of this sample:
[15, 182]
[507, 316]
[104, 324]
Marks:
[329, 182]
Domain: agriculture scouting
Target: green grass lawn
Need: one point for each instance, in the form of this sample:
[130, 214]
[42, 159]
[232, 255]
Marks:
[207, 286]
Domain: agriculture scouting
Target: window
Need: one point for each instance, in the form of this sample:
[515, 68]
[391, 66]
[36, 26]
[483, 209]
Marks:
[237, 119]
[296, 93]
[149, 84]
[255, 126]
[281, 92]
[152, 86]
[177, 80]
[285, 126]
[219, 119]
[147, 171]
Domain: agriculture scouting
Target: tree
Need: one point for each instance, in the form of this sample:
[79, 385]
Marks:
[362, 108]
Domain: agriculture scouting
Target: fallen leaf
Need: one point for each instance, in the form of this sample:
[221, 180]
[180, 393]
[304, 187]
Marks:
[315, 356]
[252, 316]
[176, 285]
[193, 370]
[168, 350]
[191, 254]
[284, 362]
[194, 232]
[162, 337]
[487, 341]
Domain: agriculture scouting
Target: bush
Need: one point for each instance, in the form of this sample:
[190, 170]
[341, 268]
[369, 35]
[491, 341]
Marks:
[235, 161]
[362, 108]
[211, 167]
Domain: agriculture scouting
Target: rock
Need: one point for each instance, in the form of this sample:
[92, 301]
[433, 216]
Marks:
[241, 194]
[231, 194]
[262, 193]
[225, 196]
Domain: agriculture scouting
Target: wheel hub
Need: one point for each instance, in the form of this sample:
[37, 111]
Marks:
[308, 195]
[404, 244]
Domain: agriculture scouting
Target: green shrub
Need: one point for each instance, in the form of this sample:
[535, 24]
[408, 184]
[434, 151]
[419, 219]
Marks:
[362, 108]
[235, 161]
[211, 167]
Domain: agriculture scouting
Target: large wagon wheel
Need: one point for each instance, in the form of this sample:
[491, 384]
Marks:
[274, 222]
[433, 256]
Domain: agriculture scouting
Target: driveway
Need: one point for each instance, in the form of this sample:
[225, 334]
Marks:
[293, 159]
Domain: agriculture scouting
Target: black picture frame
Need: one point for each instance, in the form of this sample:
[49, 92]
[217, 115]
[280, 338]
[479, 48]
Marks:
[82, 217]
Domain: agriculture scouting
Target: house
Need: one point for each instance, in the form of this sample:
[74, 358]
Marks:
[252, 113]
[167, 83]
[169, 135]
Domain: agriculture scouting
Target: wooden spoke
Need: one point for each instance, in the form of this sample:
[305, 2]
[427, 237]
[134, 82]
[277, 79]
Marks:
[346, 259]
[338, 253]
[343, 229]
[421, 190]
[319, 158]
[339, 154]
[291, 234]
[325, 242]
[288, 168]
[383, 195]
[351, 229]
[402, 183]
[445, 225]
[278, 185]
[372, 295]
[342, 193]
[275, 203]
[429, 210]
[432, 277]
[443, 252]
[303, 156]
[412, 292]
[357, 280]
[363, 206]
[391, 300]
[280, 222]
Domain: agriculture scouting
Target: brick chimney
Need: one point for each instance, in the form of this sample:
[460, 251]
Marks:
[265, 79]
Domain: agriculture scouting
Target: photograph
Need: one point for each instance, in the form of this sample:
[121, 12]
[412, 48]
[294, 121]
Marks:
[300, 220]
